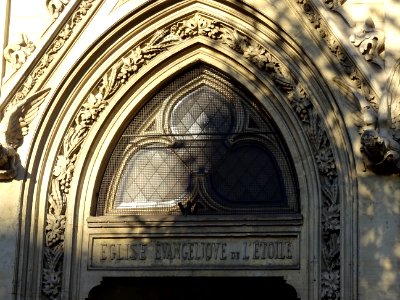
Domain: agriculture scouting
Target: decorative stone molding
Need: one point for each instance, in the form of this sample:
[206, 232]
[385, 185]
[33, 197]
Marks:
[346, 64]
[370, 41]
[334, 4]
[55, 7]
[120, 3]
[129, 65]
[337, 6]
[380, 144]
[50, 54]
[17, 54]
[13, 127]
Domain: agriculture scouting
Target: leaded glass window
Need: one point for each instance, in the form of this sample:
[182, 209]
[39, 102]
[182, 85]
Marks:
[201, 145]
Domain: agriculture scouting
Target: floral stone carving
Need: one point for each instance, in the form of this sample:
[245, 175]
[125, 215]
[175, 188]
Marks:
[129, 65]
[17, 54]
[370, 41]
[55, 7]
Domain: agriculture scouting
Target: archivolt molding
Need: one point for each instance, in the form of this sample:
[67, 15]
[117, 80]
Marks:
[353, 74]
[52, 51]
[198, 25]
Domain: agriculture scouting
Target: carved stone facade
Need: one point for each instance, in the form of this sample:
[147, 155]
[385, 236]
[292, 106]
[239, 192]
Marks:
[325, 88]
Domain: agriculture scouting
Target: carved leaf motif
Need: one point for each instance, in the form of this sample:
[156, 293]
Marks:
[393, 90]
[260, 57]
[55, 229]
[52, 272]
[234, 40]
[370, 42]
[55, 7]
[17, 54]
[330, 282]
[331, 218]
[256, 54]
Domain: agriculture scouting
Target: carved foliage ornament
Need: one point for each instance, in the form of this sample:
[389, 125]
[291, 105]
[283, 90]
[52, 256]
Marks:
[52, 51]
[129, 65]
[55, 7]
[17, 54]
[354, 75]
[370, 41]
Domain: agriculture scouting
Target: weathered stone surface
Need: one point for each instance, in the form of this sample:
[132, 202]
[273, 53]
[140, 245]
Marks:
[331, 89]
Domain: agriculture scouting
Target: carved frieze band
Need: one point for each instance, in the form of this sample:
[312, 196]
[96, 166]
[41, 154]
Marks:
[129, 65]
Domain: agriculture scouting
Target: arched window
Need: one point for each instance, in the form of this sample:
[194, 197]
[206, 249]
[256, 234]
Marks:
[201, 145]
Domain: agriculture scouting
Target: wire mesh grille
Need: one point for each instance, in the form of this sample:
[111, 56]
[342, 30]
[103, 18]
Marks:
[199, 146]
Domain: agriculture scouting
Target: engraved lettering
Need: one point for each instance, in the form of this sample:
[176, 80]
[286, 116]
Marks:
[119, 257]
[245, 252]
[185, 253]
[235, 255]
[177, 252]
[280, 250]
[271, 250]
[132, 253]
[216, 249]
[103, 252]
[289, 250]
[239, 252]
[112, 252]
[142, 252]
[264, 251]
[191, 250]
[223, 251]
[208, 251]
[157, 250]
[256, 250]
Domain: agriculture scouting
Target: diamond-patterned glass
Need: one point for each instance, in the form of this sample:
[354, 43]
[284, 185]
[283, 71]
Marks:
[200, 145]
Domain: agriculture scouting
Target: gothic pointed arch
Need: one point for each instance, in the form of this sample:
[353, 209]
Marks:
[131, 64]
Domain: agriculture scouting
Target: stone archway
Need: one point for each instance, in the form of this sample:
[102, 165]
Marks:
[197, 34]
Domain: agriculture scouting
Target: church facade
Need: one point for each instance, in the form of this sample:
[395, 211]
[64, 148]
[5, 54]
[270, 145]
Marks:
[199, 148]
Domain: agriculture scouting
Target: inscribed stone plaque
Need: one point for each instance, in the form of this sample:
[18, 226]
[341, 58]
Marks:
[166, 253]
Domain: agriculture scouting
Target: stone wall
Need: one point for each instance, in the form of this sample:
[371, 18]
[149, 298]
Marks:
[66, 30]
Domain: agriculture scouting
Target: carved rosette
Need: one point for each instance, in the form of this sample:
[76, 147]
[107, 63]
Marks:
[129, 65]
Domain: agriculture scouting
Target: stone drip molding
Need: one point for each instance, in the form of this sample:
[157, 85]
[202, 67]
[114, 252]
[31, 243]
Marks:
[337, 6]
[48, 57]
[56, 7]
[353, 74]
[17, 54]
[369, 40]
[379, 126]
[100, 96]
